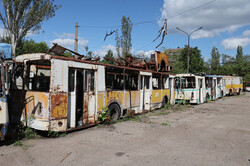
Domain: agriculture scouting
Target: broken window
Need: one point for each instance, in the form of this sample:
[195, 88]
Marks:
[208, 82]
[184, 82]
[146, 82]
[71, 80]
[89, 80]
[165, 82]
[39, 76]
[131, 80]
[114, 79]
[156, 81]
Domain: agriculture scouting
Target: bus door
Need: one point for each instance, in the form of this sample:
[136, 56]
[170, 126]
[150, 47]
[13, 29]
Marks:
[214, 87]
[145, 93]
[75, 97]
[200, 90]
[171, 86]
[81, 97]
[89, 104]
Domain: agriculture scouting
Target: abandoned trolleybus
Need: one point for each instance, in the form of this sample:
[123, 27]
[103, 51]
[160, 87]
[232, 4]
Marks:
[190, 88]
[59, 93]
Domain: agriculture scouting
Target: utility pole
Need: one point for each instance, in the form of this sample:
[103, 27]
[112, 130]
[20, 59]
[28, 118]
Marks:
[76, 37]
[188, 34]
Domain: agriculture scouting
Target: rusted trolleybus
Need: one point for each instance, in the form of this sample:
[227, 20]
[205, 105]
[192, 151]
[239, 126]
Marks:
[59, 93]
[234, 85]
[215, 87]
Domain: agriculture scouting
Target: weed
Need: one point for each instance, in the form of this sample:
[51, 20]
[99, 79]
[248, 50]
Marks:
[53, 134]
[104, 115]
[18, 143]
[167, 106]
[29, 133]
[25, 147]
[63, 134]
[167, 123]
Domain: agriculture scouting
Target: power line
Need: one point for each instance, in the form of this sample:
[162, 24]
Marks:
[192, 9]
[148, 21]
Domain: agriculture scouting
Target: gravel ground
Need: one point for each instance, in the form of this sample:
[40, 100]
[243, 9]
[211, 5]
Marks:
[215, 133]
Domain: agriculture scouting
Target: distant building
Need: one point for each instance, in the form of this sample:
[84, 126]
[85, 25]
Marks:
[172, 53]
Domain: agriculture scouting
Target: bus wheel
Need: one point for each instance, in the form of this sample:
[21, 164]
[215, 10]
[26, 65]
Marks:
[207, 97]
[238, 92]
[230, 92]
[164, 102]
[115, 112]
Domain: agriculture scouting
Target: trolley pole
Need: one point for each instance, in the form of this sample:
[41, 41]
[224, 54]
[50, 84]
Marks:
[188, 34]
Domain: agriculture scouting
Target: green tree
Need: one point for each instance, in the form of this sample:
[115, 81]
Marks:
[175, 61]
[30, 46]
[22, 16]
[124, 41]
[196, 62]
[109, 55]
[215, 61]
[239, 55]
[118, 44]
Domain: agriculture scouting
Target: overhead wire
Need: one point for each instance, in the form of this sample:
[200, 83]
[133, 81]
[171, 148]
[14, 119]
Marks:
[146, 22]
[197, 7]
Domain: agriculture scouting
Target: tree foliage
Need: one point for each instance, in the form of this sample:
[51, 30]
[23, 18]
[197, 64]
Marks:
[22, 16]
[124, 41]
[196, 62]
[109, 55]
[30, 46]
[238, 65]
[215, 61]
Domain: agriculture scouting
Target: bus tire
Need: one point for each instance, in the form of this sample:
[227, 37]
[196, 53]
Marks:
[239, 92]
[230, 92]
[114, 112]
[164, 102]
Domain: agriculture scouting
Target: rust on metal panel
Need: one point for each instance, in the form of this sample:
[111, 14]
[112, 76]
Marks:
[85, 109]
[110, 65]
[59, 105]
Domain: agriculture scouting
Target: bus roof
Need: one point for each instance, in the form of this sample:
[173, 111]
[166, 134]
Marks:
[45, 56]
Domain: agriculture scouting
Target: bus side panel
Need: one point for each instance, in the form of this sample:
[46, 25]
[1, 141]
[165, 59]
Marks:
[4, 117]
[156, 96]
[37, 110]
[114, 96]
[101, 101]
[132, 99]
[58, 115]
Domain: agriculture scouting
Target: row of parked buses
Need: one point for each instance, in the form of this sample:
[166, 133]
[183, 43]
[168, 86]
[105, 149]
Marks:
[200, 88]
[49, 92]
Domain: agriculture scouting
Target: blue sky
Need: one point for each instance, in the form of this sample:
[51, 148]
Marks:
[225, 24]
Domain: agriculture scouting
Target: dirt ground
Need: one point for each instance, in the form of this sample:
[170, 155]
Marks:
[215, 133]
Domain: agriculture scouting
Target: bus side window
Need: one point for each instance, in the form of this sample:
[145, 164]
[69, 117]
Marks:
[71, 80]
[92, 81]
[156, 81]
[147, 78]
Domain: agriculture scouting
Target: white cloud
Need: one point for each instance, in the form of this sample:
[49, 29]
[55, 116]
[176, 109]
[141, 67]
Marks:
[103, 51]
[65, 35]
[216, 17]
[144, 54]
[233, 43]
[67, 40]
[246, 33]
